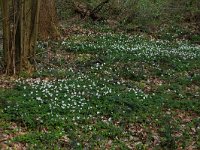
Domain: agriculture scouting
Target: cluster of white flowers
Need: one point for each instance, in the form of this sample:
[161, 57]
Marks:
[78, 93]
[70, 98]
[138, 46]
[70, 95]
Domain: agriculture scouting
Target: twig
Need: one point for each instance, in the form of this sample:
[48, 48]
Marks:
[5, 139]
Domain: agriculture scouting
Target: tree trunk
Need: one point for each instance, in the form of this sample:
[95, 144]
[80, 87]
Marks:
[48, 21]
[20, 26]
[6, 34]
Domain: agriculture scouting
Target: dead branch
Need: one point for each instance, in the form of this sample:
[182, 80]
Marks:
[87, 12]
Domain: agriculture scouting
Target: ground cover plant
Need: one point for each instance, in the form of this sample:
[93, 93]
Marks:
[106, 91]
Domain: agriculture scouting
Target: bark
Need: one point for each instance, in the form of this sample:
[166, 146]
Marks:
[48, 21]
[20, 25]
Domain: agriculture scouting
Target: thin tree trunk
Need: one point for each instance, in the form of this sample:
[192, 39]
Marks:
[6, 34]
[20, 34]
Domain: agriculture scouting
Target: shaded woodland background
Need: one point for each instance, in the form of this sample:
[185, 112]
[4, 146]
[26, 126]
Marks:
[157, 17]
[162, 19]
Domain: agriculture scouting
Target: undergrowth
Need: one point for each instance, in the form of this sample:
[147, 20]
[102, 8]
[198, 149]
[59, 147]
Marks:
[108, 91]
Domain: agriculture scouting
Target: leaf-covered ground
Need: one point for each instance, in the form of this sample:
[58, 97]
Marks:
[106, 91]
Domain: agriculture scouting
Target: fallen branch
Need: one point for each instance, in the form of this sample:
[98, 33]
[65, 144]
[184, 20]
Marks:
[99, 7]
[85, 12]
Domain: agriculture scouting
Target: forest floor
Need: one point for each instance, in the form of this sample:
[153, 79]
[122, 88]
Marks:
[105, 91]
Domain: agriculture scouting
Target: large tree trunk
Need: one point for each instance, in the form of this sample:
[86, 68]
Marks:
[48, 21]
[20, 26]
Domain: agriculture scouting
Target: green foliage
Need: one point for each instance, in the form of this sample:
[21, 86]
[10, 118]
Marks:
[120, 91]
[145, 16]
